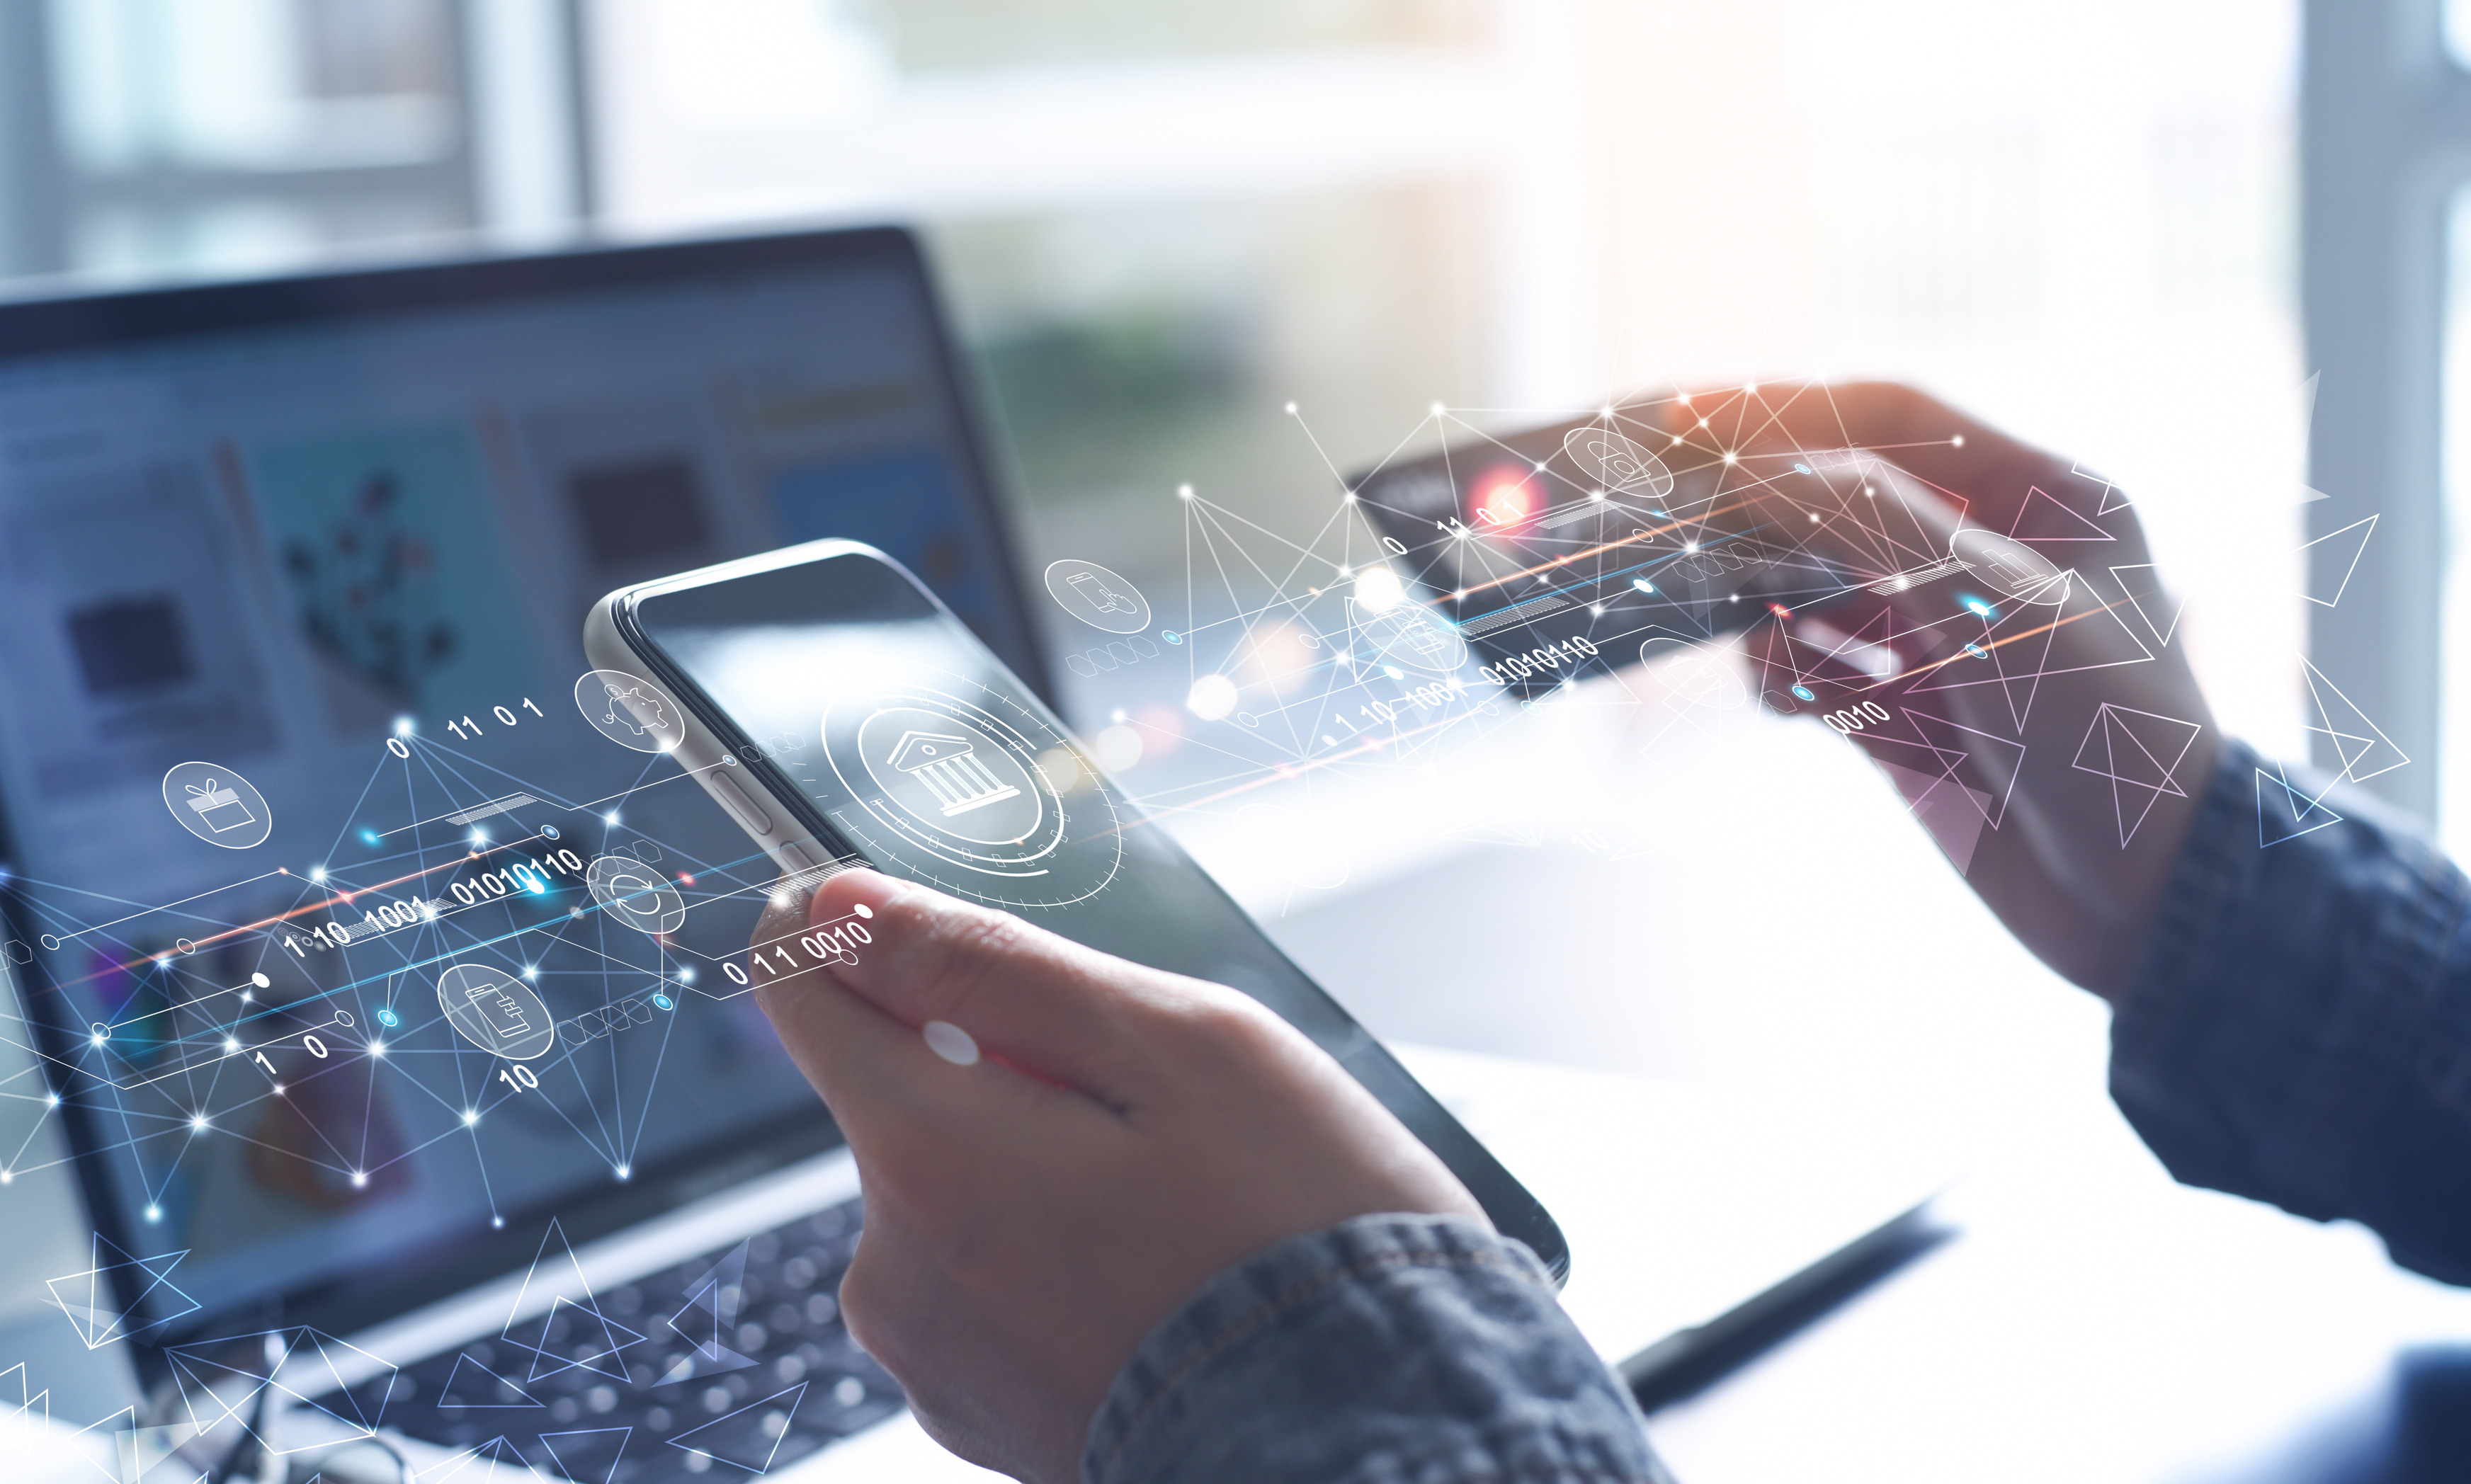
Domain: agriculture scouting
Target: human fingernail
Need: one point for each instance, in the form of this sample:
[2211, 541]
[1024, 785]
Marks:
[951, 1042]
[860, 892]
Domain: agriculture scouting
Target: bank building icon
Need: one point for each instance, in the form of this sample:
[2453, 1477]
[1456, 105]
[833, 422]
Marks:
[949, 769]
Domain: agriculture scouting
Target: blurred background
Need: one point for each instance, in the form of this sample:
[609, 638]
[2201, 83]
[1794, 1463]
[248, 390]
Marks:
[2168, 237]
[2080, 223]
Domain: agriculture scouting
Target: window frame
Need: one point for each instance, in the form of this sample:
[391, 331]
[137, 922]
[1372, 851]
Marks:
[2385, 145]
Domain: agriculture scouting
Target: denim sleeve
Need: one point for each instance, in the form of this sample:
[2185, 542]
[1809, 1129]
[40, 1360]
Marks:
[2300, 1031]
[1390, 1350]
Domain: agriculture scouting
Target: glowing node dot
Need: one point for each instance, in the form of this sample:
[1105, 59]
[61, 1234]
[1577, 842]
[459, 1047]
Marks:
[1957, 442]
[261, 980]
[1733, 457]
[359, 1179]
[611, 818]
[864, 910]
[1597, 609]
[199, 1122]
[497, 1221]
[377, 1048]
[1642, 585]
[1378, 590]
[1703, 422]
[1804, 692]
[1690, 546]
[153, 1213]
[1184, 492]
[403, 726]
[1436, 409]
[626, 1172]
[7, 1175]
[1814, 518]
[1677, 437]
[1291, 409]
[1212, 697]
[231, 1044]
[471, 1116]
[317, 873]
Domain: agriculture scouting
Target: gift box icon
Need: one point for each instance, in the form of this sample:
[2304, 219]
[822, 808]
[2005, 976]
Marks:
[219, 807]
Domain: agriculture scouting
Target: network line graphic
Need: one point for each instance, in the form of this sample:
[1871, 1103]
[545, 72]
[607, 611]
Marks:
[484, 953]
[485, 980]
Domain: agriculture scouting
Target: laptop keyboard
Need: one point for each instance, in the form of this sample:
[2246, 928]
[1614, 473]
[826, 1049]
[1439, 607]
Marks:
[732, 1365]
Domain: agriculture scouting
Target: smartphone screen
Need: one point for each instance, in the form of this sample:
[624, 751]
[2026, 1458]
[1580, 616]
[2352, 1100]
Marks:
[857, 697]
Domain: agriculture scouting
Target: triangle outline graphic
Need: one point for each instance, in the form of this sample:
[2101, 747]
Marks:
[1998, 810]
[498, 1452]
[2292, 795]
[2362, 550]
[92, 1329]
[2161, 636]
[2113, 498]
[2322, 722]
[2308, 431]
[625, 1435]
[447, 1390]
[2036, 492]
[796, 1394]
[543, 1357]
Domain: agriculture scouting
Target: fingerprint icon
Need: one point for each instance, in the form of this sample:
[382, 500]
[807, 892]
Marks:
[1624, 467]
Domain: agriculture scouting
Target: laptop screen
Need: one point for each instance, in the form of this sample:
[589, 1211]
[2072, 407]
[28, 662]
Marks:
[313, 811]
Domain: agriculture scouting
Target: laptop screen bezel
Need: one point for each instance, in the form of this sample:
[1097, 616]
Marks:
[33, 329]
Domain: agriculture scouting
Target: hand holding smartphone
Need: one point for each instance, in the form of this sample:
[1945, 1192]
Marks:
[890, 736]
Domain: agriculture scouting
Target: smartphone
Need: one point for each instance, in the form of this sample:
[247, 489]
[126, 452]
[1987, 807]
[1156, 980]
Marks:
[842, 716]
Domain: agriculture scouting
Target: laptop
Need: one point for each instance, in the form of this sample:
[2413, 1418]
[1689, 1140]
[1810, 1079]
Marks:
[255, 536]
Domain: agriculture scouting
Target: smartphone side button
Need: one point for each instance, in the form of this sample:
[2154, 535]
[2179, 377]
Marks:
[744, 807]
[791, 856]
